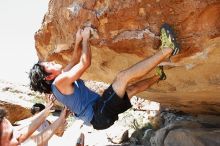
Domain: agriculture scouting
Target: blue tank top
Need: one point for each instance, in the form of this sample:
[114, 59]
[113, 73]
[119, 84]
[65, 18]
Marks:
[80, 102]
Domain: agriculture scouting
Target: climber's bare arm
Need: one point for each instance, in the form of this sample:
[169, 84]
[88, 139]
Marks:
[64, 81]
[76, 52]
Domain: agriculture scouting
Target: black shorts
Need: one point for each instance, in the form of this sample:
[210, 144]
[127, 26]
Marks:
[107, 108]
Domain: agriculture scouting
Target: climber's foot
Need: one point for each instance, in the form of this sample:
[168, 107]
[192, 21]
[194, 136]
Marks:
[168, 39]
[160, 73]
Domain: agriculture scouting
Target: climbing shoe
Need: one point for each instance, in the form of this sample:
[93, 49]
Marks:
[160, 72]
[168, 39]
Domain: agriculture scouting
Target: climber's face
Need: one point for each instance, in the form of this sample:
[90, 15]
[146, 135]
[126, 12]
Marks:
[52, 68]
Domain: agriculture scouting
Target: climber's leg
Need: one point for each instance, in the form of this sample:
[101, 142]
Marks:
[169, 47]
[138, 70]
[141, 86]
[147, 83]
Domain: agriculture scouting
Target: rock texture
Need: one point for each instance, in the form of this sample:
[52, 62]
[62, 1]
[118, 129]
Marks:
[16, 108]
[128, 31]
[186, 133]
[18, 99]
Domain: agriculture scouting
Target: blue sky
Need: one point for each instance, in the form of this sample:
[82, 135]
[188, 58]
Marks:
[19, 20]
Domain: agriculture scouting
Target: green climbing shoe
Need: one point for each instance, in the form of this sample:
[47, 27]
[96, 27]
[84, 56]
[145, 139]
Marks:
[168, 39]
[160, 72]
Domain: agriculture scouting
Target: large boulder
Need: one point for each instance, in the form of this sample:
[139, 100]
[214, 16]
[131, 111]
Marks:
[128, 31]
[187, 133]
[17, 109]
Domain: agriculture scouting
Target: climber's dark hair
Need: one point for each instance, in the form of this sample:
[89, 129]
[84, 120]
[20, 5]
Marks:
[37, 107]
[37, 79]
